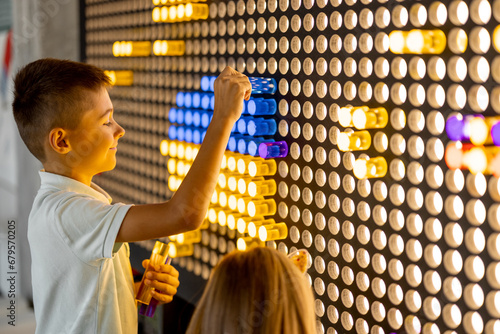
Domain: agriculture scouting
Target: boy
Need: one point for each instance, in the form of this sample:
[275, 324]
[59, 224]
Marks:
[82, 280]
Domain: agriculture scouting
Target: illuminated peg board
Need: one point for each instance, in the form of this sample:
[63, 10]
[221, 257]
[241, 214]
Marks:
[413, 249]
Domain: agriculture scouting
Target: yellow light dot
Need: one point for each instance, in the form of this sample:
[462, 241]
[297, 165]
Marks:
[242, 205]
[181, 11]
[189, 10]
[172, 183]
[231, 222]
[213, 200]
[396, 42]
[252, 229]
[231, 163]
[251, 209]
[157, 48]
[127, 48]
[345, 117]
[180, 168]
[164, 14]
[241, 165]
[180, 250]
[415, 41]
[476, 160]
[242, 186]
[164, 147]
[173, 149]
[241, 225]
[212, 215]
[252, 189]
[343, 141]
[195, 152]
[273, 232]
[172, 13]
[181, 149]
[231, 219]
[223, 164]
[172, 250]
[478, 131]
[171, 166]
[117, 49]
[496, 38]
[247, 242]
[252, 168]
[232, 202]
[370, 168]
[354, 141]
[112, 76]
[221, 218]
[222, 181]
[222, 199]
[187, 166]
[369, 118]
[156, 14]
[232, 183]
[261, 207]
[241, 244]
[189, 153]
[359, 119]
[164, 48]
[262, 167]
[120, 78]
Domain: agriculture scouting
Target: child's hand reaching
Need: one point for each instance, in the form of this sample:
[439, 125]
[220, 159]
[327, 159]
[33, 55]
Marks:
[164, 279]
[231, 87]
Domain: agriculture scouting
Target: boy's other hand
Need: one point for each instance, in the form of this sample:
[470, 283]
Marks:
[164, 279]
[230, 88]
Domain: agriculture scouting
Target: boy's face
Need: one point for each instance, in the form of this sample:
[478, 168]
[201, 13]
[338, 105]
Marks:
[94, 142]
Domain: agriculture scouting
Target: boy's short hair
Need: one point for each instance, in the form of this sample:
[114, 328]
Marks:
[51, 93]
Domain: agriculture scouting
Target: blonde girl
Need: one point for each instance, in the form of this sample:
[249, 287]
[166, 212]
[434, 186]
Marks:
[257, 291]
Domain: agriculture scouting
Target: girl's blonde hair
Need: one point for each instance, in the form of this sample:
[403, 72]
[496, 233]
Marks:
[258, 291]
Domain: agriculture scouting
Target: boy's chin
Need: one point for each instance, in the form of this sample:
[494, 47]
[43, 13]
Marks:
[108, 167]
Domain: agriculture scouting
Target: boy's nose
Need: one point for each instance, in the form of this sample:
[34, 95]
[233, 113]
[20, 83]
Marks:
[120, 132]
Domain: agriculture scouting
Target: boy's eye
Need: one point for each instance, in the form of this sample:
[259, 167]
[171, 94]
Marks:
[108, 123]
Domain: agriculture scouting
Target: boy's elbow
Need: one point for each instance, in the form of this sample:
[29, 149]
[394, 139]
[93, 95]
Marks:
[194, 222]
[188, 217]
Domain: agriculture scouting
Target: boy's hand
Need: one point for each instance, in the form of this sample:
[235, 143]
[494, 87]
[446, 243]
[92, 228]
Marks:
[164, 278]
[230, 88]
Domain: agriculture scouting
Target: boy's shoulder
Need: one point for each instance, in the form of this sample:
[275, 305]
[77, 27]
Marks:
[77, 216]
[65, 201]
[63, 186]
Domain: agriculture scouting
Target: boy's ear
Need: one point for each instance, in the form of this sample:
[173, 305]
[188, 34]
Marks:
[58, 140]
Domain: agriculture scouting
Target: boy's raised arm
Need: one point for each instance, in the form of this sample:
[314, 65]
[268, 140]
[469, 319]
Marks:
[187, 208]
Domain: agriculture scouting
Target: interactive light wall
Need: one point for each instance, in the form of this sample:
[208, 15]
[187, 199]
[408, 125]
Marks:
[371, 140]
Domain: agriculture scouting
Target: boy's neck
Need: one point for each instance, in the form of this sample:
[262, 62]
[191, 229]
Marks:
[60, 169]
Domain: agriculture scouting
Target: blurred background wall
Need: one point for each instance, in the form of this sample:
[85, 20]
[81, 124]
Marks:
[39, 29]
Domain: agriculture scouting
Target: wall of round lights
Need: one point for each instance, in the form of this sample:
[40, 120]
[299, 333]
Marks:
[372, 141]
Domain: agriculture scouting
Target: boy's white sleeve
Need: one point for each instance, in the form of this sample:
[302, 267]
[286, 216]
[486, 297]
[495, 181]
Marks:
[89, 227]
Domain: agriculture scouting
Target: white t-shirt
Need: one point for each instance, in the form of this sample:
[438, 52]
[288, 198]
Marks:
[82, 279]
